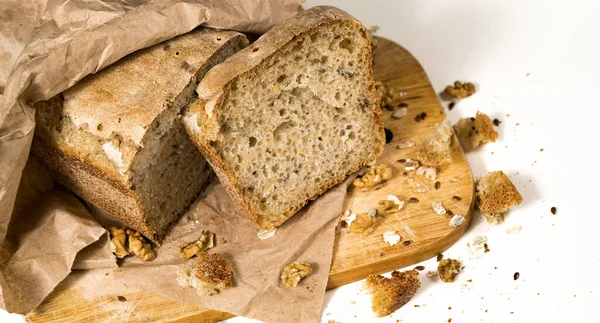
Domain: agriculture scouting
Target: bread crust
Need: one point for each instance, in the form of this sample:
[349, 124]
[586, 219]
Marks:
[217, 83]
[99, 182]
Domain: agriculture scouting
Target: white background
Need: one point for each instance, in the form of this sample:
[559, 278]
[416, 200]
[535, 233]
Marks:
[496, 44]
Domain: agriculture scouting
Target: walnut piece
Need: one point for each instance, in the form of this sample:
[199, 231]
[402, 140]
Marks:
[392, 204]
[385, 95]
[362, 224]
[293, 273]
[139, 246]
[460, 90]
[204, 242]
[118, 242]
[374, 178]
[125, 242]
[448, 269]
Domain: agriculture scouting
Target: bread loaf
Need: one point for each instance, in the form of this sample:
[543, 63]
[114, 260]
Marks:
[115, 138]
[291, 115]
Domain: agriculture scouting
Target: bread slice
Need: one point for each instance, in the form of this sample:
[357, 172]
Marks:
[115, 137]
[209, 273]
[389, 294]
[496, 194]
[473, 132]
[290, 116]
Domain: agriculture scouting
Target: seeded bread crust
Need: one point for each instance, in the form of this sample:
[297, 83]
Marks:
[123, 105]
[217, 83]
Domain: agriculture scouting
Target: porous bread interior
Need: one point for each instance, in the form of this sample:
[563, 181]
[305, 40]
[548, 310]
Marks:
[208, 273]
[166, 170]
[473, 132]
[389, 294]
[496, 194]
[438, 146]
[302, 122]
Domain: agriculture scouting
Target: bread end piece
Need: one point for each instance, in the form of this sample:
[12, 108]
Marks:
[290, 116]
[115, 137]
[496, 194]
[389, 294]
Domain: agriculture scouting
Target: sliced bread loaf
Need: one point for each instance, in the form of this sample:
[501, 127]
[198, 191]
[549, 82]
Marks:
[291, 115]
[115, 137]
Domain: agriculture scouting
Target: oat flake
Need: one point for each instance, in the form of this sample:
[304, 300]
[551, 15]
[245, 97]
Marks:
[391, 237]
[514, 229]
[421, 188]
[267, 234]
[457, 220]
[438, 208]
[477, 247]
[399, 113]
[406, 144]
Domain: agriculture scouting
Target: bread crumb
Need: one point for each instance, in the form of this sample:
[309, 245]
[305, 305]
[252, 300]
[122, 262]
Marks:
[496, 194]
[209, 273]
[477, 247]
[448, 269]
[389, 294]
[437, 148]
[460, 90]
[431, 274]
[473, 132]
[514, 229]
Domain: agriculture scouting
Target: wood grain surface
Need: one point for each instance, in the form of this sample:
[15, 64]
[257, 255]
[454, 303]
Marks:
[354, 256]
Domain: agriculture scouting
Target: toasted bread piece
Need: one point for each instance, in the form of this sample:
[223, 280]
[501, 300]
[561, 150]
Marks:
[290, 116]
[115, 138]
[496, 194]
[473, 132]
[209, 273]
[389, 294]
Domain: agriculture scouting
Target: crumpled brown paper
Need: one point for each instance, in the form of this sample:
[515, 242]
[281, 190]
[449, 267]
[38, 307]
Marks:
[257, 290]
[45, 245]
[69, 40]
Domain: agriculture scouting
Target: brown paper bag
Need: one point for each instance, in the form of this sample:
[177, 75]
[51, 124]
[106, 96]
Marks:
[69, 40]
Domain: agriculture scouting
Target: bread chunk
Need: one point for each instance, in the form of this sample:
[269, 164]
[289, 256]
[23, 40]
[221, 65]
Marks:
[290, 116]
[473, 132]
[496, 194]
[115, 138]
[389, 294]
[209, 274]
[438, 146]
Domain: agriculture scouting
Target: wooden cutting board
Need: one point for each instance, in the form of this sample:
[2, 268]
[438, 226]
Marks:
[354, 256]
